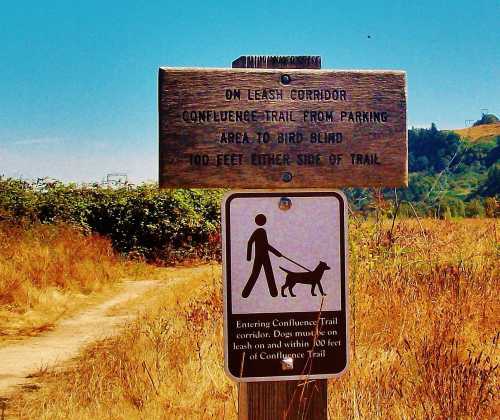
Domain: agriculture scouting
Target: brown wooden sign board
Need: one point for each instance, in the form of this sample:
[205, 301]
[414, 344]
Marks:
[282, 128]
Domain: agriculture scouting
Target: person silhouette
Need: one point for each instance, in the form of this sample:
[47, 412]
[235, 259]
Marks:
[261, 259]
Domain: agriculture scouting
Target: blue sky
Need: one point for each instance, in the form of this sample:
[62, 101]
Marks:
[78, 80]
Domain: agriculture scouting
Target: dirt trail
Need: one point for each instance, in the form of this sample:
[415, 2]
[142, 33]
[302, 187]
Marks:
[18, 361]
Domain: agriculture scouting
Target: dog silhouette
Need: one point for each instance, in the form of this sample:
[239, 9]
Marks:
[311, 277]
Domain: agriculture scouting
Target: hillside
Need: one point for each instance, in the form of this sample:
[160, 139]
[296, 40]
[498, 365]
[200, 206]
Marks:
[479, 133]
[444, 167]
[449, 176]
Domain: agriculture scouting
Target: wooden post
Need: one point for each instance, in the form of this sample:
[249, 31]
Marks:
[282, 400]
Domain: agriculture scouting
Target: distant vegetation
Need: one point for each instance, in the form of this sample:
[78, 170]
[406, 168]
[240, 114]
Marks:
[487, 119]
[140, 221]
[449, 177]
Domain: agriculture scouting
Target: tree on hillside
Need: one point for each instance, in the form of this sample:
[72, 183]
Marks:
[487, 119]
[494, 154]
[478, 156]
[418, 188]
[432, 150]
[448, 207]
[491, 186]
[474, 208]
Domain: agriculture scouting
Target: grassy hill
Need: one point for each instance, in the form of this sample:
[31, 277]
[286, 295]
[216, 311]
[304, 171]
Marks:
[450, 175]
[484, 133]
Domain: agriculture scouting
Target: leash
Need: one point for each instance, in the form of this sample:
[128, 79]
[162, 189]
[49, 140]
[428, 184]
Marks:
[296, 263]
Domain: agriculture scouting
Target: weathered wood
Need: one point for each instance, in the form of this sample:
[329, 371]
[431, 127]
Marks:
[288, 400]
[278, 62]
[349, 128]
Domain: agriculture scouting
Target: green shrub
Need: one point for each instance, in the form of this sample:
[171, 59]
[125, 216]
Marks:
[474, 208]
[487, 119]
[449, 207]
[162, 225]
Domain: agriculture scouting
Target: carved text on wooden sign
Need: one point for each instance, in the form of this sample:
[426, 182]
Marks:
[287, 128]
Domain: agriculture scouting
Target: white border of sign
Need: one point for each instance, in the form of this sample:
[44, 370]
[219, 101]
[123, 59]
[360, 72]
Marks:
[286, 193]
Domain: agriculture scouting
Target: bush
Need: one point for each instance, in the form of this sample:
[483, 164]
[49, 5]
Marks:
[487, 119]
[432, 150]
[449, 207]
[491, 207]
[166, 225]
[491, 185]
[474, 208]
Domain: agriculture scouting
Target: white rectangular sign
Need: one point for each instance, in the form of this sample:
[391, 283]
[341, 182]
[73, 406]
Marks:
[285, 284]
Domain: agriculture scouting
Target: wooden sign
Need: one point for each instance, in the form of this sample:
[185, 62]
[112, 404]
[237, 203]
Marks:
[282, 128]
[284, 262]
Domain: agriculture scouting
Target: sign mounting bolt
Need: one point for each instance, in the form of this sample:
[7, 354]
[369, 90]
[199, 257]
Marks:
[286, 177]
[285, 203]
[287, 364]
[286, 79]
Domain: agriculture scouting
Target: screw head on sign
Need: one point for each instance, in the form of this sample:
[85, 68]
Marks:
[286, 79]
[286, 177]
[287, 364]
[285, 203]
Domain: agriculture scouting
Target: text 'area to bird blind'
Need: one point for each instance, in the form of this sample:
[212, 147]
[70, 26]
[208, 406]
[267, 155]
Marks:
[282, 128]
[285, 292]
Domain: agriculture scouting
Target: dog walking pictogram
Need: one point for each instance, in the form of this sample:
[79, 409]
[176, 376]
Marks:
[261, 259]
[312, 277]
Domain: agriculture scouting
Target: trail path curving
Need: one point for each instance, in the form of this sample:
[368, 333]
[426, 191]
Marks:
[19, 361]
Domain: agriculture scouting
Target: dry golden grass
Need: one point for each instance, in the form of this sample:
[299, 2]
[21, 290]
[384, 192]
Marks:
[50, 271]
[425, 309]
[485, 131]
[424, 338]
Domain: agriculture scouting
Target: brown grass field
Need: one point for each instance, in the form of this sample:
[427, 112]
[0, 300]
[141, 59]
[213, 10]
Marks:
[47, 272]
[479, 132]
[424, 337]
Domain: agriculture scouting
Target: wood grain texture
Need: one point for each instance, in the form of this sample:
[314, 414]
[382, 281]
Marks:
[381, 145]
[278, 62]
[286, 399]
[290, 400]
